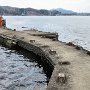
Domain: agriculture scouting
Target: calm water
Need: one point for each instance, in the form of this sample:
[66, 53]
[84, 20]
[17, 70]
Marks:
[19, 70]
[70, 28]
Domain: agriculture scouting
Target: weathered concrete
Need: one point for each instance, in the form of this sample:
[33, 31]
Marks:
[70, 62]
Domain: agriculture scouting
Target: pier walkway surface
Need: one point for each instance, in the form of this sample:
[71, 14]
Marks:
[71, 65]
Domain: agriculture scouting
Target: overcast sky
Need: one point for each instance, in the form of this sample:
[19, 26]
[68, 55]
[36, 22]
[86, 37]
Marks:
[76, 5]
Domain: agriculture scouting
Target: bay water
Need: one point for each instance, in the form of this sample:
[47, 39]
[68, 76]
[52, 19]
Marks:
[74, 29]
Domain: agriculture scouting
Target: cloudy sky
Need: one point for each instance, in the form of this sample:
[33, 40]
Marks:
[76, 5]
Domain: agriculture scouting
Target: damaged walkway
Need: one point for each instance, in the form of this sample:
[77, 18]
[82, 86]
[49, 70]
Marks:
[71, 64]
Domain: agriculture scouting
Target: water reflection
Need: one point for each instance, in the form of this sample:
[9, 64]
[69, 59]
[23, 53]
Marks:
[19, 70]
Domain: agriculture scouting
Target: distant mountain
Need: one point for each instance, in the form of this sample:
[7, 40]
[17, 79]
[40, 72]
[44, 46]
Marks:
[64, 11]
[7, 10]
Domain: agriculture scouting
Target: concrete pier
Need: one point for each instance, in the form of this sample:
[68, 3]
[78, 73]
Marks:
[70, 63]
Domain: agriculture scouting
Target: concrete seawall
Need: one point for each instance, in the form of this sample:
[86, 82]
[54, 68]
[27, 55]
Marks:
[70, 63]
[38, 50]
